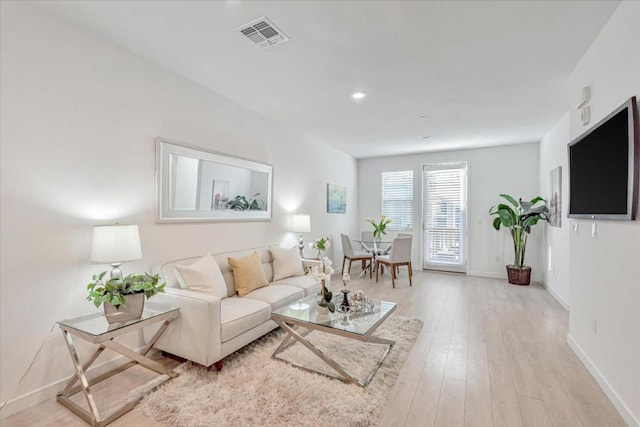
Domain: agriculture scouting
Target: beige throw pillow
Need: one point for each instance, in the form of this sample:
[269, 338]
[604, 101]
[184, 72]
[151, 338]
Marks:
[247, 273]
[202, 275]
[286, 262]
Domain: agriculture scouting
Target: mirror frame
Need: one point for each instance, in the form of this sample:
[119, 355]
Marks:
[165, 148]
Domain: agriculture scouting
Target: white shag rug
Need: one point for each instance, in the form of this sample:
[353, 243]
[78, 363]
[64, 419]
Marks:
[253, 389]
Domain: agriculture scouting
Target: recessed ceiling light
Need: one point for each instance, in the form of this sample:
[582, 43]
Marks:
[358, 95]
[422, 117]
[426, 137]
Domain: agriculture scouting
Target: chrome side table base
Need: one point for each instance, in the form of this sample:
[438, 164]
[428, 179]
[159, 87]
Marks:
[93, 416]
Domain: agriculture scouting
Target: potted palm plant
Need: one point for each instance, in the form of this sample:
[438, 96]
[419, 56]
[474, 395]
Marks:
[519, 216]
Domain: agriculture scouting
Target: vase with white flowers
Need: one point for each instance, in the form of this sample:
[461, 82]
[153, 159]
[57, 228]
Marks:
[322, 273]
[321, 244]
[380, 227]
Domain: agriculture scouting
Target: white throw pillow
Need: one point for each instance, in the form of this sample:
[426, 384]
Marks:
[286, 262]
[202, 275]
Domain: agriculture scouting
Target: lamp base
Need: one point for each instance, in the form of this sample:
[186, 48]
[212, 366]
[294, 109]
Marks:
[116, 273]
[301, 246]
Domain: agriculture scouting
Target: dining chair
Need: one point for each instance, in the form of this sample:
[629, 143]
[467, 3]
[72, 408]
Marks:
[351, 255]
[410, 235]
[400, 255]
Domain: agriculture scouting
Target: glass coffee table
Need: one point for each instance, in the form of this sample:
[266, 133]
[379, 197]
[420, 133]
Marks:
[358, 326]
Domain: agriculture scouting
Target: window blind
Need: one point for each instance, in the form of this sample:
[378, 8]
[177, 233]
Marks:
[397, 199]
[444, 186]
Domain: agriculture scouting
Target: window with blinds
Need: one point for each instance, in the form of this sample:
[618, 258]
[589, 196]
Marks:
[397, 199]
[444, 211]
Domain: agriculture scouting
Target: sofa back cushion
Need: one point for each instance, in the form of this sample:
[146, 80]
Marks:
[286, 262]
[167, 270]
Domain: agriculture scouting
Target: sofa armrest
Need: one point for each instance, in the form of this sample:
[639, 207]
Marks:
[195, 334]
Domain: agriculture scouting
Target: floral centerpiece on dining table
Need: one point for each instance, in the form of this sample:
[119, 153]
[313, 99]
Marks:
[321, 244]
[379, 227]
[322, 273]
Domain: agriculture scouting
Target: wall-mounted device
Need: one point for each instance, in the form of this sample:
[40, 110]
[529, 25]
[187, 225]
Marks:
[603, 167]
[585, 110]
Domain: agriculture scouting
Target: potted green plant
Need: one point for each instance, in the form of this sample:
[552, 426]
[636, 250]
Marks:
[123, 298]
[241, 203]
[519, 216]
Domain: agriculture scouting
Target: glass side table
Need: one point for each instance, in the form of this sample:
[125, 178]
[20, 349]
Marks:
[309, 263]
[95, 329]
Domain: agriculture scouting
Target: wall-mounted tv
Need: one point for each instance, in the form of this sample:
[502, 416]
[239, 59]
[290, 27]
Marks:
[603, 167]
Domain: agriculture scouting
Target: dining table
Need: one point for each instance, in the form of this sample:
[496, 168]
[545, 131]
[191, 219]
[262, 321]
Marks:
[375, 247]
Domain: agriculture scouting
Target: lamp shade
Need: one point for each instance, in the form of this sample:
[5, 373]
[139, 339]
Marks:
[116, 244]
[301, 223]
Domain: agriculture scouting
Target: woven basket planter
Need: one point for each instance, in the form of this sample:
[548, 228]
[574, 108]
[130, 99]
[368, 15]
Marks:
[519, 275]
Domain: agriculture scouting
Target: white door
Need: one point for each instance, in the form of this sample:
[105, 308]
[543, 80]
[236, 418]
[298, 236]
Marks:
[445, 217]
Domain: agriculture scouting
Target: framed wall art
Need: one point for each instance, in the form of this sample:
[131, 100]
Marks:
[336, 199]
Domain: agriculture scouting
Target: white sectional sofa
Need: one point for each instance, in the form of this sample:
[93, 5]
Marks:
[210, 328]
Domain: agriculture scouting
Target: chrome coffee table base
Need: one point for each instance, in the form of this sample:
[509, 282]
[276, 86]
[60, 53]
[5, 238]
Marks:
[292, 334]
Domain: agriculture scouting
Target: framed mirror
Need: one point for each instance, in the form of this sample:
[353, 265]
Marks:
[196, 185]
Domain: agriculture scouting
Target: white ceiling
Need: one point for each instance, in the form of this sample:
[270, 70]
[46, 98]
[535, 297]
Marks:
[482, 72]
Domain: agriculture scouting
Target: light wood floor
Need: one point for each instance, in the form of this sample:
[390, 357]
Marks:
[490, 354]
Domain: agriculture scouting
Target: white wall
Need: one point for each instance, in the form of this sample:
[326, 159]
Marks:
[79, 117]
[605, 271]
[509, 169]
[555, 246]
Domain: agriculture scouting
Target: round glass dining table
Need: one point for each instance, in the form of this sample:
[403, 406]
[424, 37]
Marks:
[375, 248]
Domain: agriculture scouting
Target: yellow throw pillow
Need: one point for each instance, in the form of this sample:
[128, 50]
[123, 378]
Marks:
[247, 273]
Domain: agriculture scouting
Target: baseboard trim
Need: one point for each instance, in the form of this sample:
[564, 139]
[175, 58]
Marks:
[615, 399]
[50, 391]
[557, 296]
[492, 275]
[487, 274]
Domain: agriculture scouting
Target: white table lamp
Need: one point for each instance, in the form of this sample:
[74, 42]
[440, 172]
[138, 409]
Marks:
[301, 223]
[115, 244]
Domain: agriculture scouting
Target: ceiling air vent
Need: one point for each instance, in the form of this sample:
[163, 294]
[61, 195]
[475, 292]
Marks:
[262, 32]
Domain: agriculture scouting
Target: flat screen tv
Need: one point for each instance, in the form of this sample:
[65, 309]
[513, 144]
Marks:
[603, 167]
